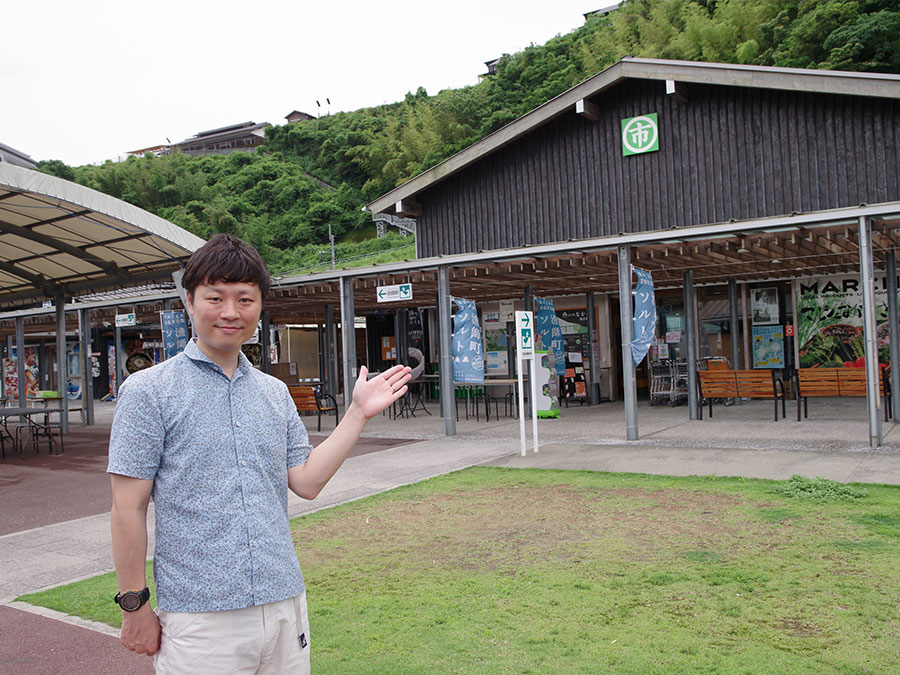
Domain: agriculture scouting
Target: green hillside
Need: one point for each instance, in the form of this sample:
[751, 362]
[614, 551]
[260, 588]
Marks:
[319, 172]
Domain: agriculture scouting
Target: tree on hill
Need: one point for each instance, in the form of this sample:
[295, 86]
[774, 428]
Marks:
[318, 172]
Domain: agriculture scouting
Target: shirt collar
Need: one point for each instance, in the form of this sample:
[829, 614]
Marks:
[193, 352]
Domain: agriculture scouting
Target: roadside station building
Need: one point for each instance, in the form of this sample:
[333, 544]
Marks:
[763, 201]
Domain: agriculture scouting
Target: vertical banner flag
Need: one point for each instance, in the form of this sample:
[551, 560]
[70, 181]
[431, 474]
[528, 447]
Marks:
[546, 325]
[174, 332]
[644, 316]
[466, 347]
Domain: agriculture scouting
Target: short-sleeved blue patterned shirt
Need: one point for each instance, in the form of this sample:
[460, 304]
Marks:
[218, 451]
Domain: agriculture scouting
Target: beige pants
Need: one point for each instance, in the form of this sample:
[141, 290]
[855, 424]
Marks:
[271, 638]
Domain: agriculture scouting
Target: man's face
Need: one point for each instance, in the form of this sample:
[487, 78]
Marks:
[225, 316]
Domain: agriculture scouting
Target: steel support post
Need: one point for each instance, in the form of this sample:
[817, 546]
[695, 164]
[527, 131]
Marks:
[62, 371]
[626, 314]
[348, 339]
[867, 279]
[594, 379]
[117, 357]
[331, 352]
[448, 410]
[401, 333]
[734, 318]
[690, 338]
[265, 341]
[891, 271]
[320, 335]
[87, 368]
[20, 359]
[745, 305]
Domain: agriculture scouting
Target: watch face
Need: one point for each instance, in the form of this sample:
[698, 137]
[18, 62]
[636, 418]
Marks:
[130, 602]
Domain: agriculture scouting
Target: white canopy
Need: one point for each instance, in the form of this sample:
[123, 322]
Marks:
[60, 237]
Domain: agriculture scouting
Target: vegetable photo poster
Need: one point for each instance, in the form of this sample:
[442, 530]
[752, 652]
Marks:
[830, 324]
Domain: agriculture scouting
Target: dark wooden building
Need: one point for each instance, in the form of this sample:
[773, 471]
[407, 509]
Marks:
[735, 143]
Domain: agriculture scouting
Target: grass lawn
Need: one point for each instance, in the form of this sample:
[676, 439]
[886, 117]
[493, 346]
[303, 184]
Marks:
[514, 571]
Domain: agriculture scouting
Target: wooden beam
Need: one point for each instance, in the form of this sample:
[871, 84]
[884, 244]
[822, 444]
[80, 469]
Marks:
[587, 110]
[407, 208]
[677, 90]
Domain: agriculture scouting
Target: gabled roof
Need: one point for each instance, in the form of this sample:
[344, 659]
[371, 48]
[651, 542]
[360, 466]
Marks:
[877, 85]
[58, 236]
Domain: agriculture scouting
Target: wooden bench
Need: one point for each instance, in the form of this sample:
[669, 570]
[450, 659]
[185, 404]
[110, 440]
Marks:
[311, 400]
[838, 382]
[740, 384]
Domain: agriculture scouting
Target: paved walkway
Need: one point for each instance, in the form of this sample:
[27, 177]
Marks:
[44, 545]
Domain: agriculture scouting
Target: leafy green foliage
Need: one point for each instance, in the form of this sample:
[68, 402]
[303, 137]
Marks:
[818, 490]
[316, 172]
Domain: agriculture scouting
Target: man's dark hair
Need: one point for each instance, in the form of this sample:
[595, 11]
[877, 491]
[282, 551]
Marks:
[225, 258]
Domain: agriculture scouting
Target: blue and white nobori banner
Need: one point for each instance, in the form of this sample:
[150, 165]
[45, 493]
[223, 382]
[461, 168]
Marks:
[546, 326]
[174, 332]
[644, 316]
[465, 344]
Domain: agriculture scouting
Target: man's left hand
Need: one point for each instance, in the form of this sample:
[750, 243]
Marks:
[373, 396]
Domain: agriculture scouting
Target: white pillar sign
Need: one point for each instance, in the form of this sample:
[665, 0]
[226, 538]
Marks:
[525, 345]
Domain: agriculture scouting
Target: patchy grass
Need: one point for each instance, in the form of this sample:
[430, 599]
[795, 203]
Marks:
[521, 571]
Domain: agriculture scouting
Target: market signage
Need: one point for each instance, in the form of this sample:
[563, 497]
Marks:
[547, 326]
[174, 332]
[644, 321]
[394, 293]
[830, 324]
[465, 344]
[640, 135]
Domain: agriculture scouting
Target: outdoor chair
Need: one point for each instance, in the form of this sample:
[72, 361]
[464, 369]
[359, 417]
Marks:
[37, 430]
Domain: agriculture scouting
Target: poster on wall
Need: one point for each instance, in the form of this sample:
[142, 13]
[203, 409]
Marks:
[10, 379]
[830, 325]
[768, 347]
[415, 330]
[496, 356]
[764, 305]
[31, 372]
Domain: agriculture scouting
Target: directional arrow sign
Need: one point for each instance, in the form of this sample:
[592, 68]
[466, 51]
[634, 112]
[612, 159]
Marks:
[525, 333]
[126, 319]
[394, 293]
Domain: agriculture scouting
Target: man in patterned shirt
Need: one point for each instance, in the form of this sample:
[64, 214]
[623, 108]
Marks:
[217, 444]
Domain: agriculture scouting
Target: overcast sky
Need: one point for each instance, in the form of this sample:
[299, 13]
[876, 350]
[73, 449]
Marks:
[88, 80]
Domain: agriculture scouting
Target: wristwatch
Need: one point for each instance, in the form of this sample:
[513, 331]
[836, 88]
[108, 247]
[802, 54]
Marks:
[131, 601]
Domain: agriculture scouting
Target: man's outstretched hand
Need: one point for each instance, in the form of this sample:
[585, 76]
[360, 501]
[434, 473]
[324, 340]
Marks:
[373, 396]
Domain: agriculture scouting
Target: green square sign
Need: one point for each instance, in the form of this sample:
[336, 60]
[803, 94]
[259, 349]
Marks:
[640, 135]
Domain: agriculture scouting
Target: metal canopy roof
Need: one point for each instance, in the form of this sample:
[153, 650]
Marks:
[768, 249]
[61, 237]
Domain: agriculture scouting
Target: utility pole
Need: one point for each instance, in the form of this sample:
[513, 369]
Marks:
[331, 242]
